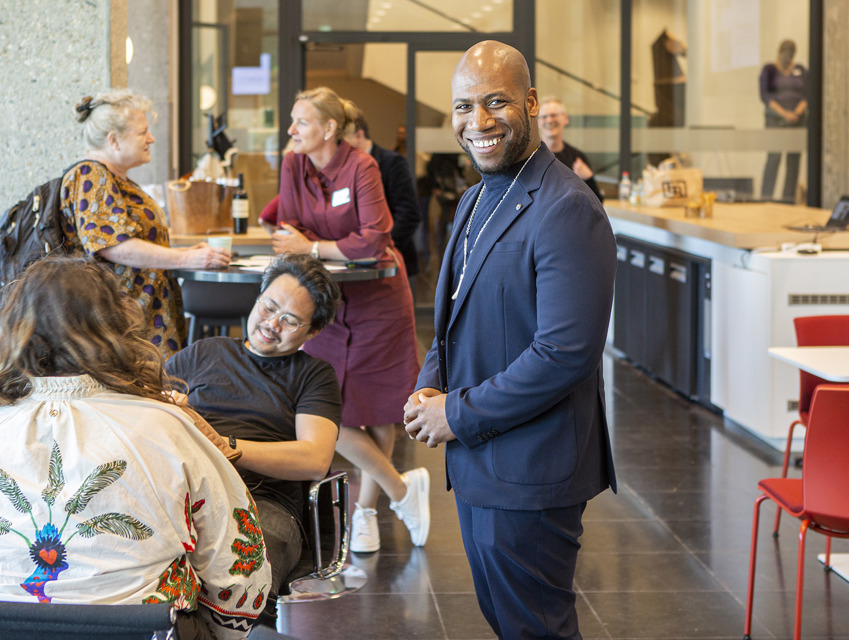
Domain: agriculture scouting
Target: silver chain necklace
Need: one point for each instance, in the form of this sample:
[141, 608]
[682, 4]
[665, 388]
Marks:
[486, 222]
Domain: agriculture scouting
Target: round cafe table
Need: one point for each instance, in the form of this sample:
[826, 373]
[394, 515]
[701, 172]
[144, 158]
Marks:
[341, 272]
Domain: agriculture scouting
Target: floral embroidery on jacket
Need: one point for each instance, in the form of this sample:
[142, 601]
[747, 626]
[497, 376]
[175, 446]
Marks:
[250, 552]
[48, 551]
[178, 584]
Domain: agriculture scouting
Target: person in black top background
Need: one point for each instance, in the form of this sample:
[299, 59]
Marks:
[279, 405]
[399, 189]
[552, 120]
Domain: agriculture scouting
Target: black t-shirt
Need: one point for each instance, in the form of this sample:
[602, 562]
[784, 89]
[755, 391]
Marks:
[257, 398]
[568, 155]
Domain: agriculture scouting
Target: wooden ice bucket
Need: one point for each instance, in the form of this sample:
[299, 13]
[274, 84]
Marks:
[196, 207]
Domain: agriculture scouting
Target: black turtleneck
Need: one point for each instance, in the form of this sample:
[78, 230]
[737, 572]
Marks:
[496, 186]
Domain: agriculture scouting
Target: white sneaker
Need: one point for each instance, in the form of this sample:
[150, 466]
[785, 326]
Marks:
[414, 509]
[365, 536]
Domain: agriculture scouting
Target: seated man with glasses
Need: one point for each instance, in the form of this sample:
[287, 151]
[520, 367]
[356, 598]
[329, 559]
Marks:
[279, 405]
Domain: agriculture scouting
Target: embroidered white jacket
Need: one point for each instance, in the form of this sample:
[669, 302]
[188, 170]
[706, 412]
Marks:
[109, 498]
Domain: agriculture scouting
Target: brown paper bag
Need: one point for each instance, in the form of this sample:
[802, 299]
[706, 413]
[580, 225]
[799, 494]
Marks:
[670, 185]
[196, 207]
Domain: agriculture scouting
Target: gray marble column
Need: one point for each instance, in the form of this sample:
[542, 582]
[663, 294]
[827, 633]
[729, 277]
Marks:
[835, 165]
[51, 55]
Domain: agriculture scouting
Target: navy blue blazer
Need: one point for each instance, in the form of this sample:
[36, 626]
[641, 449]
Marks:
[519, 352]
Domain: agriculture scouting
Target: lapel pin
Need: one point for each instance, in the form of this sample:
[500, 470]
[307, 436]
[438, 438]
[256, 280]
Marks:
[518, 206]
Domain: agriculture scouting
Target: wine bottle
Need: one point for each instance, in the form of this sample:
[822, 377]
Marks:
[240, 207]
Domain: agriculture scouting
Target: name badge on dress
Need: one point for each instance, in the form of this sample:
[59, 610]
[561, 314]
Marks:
[340, 197]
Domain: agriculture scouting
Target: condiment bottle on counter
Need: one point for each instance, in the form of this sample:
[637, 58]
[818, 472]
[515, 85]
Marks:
[240, 207]
[625, 187]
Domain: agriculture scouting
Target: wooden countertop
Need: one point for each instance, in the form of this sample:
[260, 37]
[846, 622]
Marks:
[739, 225]
[254, 236]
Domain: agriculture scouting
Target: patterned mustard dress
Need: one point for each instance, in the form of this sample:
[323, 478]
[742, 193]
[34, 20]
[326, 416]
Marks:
[101, 210]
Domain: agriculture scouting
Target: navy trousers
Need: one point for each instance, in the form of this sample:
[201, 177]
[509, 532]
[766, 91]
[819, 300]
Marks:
[523, 565]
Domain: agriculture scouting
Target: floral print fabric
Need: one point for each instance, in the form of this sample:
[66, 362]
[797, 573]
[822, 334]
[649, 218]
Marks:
[108, 498]
[101, 210]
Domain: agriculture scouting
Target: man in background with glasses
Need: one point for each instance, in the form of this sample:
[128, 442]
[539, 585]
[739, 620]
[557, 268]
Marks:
[277, 404]
[552, 120]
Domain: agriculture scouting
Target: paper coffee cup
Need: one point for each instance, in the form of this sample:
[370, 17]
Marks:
[222, 242]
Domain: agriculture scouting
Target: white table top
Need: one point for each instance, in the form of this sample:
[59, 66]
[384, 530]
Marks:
[828, 363]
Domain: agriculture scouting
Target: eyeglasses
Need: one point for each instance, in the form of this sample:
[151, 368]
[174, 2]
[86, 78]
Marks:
[268, 311]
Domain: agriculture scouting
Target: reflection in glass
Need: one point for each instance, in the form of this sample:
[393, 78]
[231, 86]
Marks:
[577, 65]
[485, 16]
[697, 67]
[235, 81]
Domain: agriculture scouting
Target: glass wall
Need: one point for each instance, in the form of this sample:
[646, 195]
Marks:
[706, 70]
[695, 69]
[235, 91]
[372, 75]
[577, 63]
[486, 16]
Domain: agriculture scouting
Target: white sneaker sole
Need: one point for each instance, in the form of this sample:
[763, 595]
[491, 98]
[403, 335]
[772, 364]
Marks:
[422, 482]
[364, 548]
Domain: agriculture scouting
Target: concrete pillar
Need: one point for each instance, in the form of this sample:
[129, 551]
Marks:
[52, 53]
[835, 165]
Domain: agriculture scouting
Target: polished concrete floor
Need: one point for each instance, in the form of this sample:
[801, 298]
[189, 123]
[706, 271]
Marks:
[666, 557]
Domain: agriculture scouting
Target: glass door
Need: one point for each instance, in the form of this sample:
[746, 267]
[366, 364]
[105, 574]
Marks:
[234, 94]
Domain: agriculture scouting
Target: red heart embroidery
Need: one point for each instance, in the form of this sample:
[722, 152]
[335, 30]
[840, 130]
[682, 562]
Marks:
[48, 556]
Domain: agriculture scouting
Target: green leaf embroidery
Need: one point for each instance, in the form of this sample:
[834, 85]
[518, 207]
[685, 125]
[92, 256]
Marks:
[251, 552]
[10, 489]
[96, 481]
[55, 476]
[5, 526]
[117, 524]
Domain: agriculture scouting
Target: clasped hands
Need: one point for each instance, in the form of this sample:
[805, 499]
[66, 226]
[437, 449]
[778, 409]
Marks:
[424, 417]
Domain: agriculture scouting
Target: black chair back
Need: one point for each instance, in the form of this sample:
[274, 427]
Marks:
[37, 621]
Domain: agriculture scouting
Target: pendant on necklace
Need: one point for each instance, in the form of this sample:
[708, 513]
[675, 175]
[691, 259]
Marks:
[459, 284]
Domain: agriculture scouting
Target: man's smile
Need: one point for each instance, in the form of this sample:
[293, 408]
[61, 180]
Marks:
[487, 143]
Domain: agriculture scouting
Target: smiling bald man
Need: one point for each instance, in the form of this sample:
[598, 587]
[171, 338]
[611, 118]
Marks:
[513, 382]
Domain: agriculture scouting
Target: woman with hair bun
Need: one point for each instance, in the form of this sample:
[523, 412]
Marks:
[332, 206]
[109, 216]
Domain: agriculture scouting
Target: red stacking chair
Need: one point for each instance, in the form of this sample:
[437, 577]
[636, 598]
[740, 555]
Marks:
[812, 331]
[820, 499]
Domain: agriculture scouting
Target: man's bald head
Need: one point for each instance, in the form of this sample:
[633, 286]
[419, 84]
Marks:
[493, 106]
[497, 56]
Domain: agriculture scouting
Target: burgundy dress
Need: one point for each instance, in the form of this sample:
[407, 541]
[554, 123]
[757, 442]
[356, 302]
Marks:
[372, 343]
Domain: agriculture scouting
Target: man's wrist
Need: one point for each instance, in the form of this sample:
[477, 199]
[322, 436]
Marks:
[314, 250]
